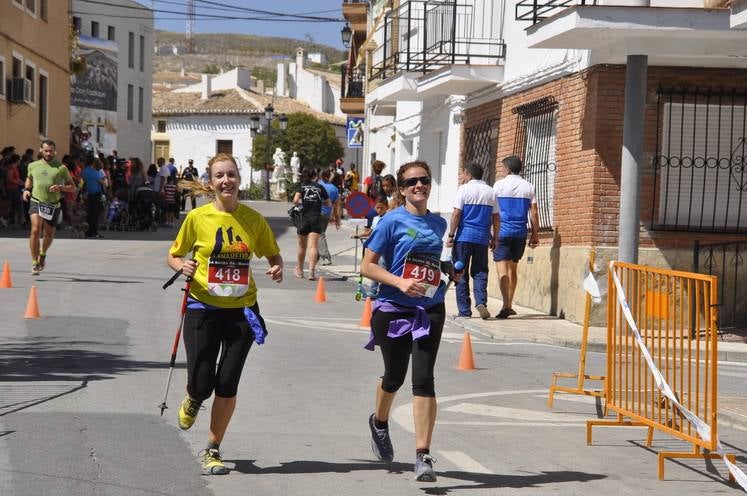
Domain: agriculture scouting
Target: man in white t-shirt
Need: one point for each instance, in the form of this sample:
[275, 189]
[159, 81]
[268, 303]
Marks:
[516, 198]
[473, 228]
[163, 172]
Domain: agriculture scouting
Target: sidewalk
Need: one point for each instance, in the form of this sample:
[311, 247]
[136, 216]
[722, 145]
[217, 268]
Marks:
[531, 326]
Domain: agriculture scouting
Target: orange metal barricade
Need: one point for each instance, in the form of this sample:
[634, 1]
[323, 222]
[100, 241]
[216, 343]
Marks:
[676, 315]
[581, 376]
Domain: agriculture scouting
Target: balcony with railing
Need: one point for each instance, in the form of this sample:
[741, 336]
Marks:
[670, 32]
[355, 12]
[536, 11]
[423, 36]
[352, 93]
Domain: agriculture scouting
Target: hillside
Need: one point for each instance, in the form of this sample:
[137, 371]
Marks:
[213, 52]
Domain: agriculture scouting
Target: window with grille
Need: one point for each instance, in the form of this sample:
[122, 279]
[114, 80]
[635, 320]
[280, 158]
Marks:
[535, 144]
[131, 50]
[140, 103]
[42, 107]
[130, 102]
[481, 141]
[699, 169]
[142, 53]
[224, 146]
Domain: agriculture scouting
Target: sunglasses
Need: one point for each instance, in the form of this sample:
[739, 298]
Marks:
[424, 180]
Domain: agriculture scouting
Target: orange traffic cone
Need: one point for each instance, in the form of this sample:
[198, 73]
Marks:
[5, 281]
[366, 315]
[321, 295]
[466, 360]
[32, 307]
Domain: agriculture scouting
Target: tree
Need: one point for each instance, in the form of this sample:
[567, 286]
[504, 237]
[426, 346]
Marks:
[313, 139]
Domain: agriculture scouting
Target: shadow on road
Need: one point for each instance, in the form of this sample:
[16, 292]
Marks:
[476, 480]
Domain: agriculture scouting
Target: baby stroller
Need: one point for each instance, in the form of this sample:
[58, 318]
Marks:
[118, 213]
[146, 208]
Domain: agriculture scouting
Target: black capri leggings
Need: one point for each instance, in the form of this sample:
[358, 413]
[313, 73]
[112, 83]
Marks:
[208, 332]
[397, 351]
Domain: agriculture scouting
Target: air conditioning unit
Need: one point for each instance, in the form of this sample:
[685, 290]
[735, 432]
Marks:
[20, 90]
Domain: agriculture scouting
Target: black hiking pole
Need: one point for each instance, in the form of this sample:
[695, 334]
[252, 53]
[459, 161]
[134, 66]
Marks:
[178, 336]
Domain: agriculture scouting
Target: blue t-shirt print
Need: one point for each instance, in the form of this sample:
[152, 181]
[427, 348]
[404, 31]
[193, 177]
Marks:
[398, 233]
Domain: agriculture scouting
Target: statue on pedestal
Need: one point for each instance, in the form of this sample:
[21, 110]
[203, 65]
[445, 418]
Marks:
[295, 167]
[278, 173]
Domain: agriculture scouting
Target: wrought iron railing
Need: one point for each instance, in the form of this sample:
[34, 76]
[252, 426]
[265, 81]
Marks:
[352, 83]
[534, 143]
[480, 146]
[536, 11]
[425, 35]
[726, 261]
[700, 181]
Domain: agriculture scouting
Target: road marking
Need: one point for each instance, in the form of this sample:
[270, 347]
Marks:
[464, 462]
[402, 415]
[519, 414]
[587, 400]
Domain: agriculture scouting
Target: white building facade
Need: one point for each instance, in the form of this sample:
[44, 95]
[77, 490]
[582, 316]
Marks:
[131, 38]
[214, 116]
[549, 82]
[422, 61]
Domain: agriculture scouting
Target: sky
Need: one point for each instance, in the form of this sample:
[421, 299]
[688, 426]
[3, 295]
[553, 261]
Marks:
[327, 33]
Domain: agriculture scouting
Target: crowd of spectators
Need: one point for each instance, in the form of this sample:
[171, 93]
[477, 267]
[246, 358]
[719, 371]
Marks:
[113, 186]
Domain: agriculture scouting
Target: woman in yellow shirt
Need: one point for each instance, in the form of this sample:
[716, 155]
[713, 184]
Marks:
[222, 314]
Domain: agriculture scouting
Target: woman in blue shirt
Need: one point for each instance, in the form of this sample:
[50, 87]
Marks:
[408, 315]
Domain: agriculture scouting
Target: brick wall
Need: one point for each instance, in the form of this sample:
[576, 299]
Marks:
[589, 143]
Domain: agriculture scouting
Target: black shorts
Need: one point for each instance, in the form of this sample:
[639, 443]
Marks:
[56, 216]
[309, 224]
[509, 248]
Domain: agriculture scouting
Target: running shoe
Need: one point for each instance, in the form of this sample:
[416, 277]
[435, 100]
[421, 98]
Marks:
[424, 468]
[381, 444]
[483, 311]
[35, 269]
[212, 463]
[188, 412]
[42, 261]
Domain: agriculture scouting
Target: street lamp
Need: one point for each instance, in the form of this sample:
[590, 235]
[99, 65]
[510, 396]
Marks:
[254, 127]
[346, 33]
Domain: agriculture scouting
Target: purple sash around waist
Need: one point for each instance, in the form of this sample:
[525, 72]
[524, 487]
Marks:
[419, 325]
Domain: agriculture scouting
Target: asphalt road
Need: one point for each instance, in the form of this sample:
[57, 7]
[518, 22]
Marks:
[80, 389]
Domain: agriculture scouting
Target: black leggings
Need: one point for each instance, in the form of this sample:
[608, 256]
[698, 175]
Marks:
[207, 332]
[397, 351]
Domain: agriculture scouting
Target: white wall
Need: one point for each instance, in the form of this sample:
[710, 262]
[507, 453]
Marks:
[195, 137]
[133, 137]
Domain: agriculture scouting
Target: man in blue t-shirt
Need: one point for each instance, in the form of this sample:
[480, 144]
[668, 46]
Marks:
[329, 214]
[516, 199]
[474, 217]
[94, 180]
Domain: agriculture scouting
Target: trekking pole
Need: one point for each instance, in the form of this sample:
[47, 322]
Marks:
[178, 336]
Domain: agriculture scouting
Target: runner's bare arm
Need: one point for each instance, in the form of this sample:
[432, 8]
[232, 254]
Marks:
[28, 185]
[534, 221]
[188, 267]
[456, 217]
[276, 268]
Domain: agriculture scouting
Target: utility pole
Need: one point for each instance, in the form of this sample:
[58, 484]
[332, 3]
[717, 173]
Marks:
[190, 25]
